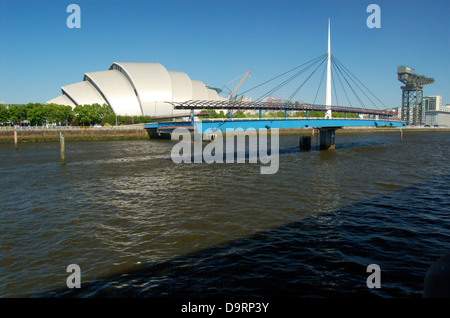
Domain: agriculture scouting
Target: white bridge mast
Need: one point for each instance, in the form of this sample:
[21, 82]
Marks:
[328, 87]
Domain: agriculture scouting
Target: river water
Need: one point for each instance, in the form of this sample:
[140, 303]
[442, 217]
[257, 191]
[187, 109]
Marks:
[137, 224]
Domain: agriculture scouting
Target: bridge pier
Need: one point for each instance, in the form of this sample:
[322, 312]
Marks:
[153, 133]
[327, 138]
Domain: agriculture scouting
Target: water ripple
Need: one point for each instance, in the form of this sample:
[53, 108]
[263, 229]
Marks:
[124, 210]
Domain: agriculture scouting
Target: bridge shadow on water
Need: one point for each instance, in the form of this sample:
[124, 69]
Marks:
[323, 255]
[234, 156]
[315, 147]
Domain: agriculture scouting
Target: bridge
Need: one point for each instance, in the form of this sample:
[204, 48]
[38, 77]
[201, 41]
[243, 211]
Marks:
[326, 125]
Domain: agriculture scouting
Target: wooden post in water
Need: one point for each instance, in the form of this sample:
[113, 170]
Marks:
[305, 143]
[15, 139]
[401, 134]
[63, 149]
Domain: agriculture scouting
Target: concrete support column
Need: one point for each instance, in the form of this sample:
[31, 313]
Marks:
[153, 133]
[327, 138]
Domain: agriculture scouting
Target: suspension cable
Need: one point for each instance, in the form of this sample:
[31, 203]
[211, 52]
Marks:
[342, 85]
[355, 83]
[317, 58]
[304, 82]
[290, 79]
[320, 84]
[361, 84]
[345, 78]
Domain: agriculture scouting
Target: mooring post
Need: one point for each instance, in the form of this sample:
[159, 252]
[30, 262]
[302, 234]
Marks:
[63, 149]
[327, 138]
[305, 143]
[15, 139]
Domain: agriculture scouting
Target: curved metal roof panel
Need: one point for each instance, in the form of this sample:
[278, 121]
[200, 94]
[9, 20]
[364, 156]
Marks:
[83, 93]
[199, 91]
[181, 86]
[212, 94]
[61, 100]
[136, 89]
[116, 90]
[151, 82]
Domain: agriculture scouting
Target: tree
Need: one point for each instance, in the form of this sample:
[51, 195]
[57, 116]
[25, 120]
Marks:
[85, 114]
[104, 110]
[52, 113]
[36, 113]
[213, 114]
[110, 119]
[93, 114]
[17, 113]
[239, 114]
[4, 113]
[65, 113]
[59, 113]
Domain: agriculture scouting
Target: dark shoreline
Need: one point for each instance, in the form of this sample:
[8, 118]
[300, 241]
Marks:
[105, 134]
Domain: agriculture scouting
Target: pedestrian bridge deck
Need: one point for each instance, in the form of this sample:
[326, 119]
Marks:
[222, 124]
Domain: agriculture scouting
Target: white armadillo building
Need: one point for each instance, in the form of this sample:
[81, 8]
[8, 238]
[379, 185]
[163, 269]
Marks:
[136, 89]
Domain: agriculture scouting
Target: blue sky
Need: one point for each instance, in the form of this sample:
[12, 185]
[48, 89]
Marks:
[215, 41]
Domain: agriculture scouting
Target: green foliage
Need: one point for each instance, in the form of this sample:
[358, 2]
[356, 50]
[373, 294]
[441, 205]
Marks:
[17, 113]
[40, 114]
[316, 114]
[85, 115]
[142, 119]
[59, 113]
[92, 114]
[4, 113]
[110, 119]
[239, 114]
[36, 113]
[125, 120]
[213, 114]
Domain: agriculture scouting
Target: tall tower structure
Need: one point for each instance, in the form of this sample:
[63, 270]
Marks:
[412, 94]
[328, 87]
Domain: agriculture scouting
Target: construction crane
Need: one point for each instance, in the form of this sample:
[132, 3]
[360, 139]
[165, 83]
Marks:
[232, 98]
[412, 94]
[237, 86]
